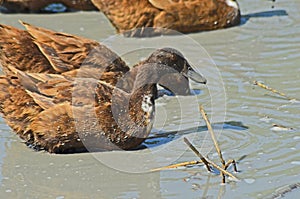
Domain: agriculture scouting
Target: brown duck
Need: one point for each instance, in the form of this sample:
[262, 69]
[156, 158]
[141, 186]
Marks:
[165, 16]
[57, 105]
[38, 5]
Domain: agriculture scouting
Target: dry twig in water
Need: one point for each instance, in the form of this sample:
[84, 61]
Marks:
[224, 164]
[177, 165]
[197, 153]
[207, 161]
[213, 137]
[272, 90]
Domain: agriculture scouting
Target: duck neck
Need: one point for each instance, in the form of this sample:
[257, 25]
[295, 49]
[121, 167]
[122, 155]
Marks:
[134, 114]
[149, 74]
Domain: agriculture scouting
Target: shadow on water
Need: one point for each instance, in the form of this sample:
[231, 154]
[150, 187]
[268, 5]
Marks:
[160, 138]
[264, 14]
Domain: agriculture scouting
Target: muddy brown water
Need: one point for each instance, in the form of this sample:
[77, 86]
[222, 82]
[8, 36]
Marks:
[265, 47]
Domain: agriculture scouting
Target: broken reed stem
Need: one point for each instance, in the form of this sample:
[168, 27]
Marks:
[177, 165]
[229, 163]
[197, 153]
[212, 134]
[222, 170]
[272, 90]
[207, 161]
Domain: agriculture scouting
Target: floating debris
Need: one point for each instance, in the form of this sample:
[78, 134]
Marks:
[177, 165]
[277, 127]
[272, 90]
[266, 119]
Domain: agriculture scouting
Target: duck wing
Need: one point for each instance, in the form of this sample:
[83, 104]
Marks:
[46, 109]
[64, 51]
[17, 49]
[75, 112]
[48, 90]
[67, 52]
[17, 107]
[39, 50]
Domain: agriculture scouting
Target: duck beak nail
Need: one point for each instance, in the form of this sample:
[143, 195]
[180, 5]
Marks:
[193, 75]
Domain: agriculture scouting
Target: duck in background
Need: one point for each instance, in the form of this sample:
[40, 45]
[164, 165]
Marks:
[34, 6]
[169, 16]
[62, 93]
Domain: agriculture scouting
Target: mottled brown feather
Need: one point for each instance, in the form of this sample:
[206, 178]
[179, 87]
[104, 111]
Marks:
[67, 52]
[18, 107]
[40, 50]
[15, 45]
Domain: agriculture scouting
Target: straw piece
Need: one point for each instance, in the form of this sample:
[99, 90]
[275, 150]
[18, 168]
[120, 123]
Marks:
[207, 161]
[182, 164]
[197, 153]
[272, 90]
[222, 170]
[233, 163]
[212, 134]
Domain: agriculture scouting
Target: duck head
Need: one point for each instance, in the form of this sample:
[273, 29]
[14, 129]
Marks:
[173, 71]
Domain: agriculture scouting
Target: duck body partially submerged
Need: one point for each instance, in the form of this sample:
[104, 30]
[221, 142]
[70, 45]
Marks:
[64, 94]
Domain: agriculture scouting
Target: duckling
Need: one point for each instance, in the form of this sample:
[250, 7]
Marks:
[169, 16]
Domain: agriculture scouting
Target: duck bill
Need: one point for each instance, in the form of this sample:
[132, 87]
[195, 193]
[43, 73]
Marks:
[193, 75]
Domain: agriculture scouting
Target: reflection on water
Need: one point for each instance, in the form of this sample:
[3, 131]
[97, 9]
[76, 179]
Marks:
[264, 48]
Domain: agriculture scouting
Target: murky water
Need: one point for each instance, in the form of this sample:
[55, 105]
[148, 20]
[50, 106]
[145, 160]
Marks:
[264, 48]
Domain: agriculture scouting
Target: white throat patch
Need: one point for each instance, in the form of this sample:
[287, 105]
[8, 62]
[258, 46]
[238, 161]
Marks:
[147, 105]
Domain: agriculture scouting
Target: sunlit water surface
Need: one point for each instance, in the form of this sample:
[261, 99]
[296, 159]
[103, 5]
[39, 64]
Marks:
[264, 48]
